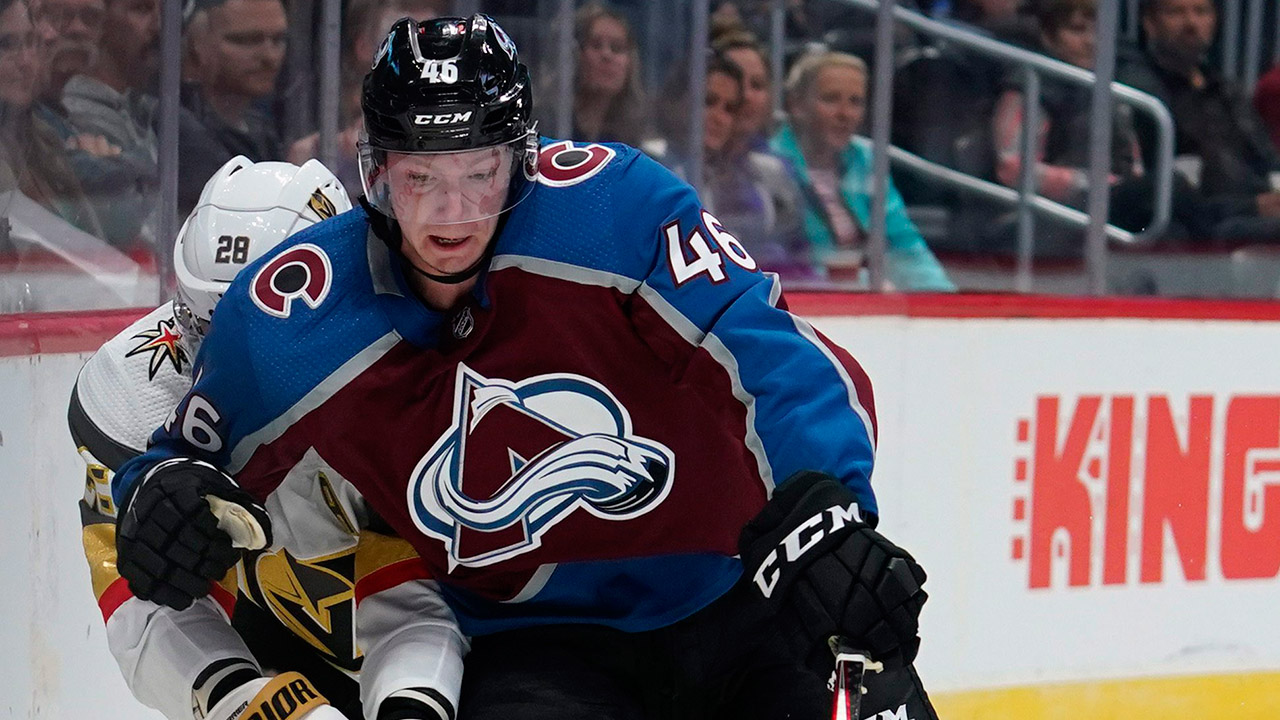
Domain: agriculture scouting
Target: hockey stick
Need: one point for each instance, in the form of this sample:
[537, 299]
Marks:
[846, 682]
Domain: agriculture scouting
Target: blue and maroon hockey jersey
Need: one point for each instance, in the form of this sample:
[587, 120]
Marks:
[581, 440]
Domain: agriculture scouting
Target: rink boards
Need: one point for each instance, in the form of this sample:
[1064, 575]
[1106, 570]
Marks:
[1093, 486]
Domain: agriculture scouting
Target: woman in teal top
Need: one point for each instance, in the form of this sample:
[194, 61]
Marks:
[826, 100]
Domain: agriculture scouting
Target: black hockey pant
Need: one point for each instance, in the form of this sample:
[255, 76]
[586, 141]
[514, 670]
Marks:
[715, 665]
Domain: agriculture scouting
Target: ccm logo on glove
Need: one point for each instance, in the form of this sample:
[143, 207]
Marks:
[801, 540]
[816, 560]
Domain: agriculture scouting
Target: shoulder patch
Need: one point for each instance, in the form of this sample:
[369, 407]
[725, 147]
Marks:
[321, 205]
[163, 343]
[562, 164]
[303, 271]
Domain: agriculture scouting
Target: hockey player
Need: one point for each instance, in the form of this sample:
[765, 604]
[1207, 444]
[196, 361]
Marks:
[296, 606]
[642, 485]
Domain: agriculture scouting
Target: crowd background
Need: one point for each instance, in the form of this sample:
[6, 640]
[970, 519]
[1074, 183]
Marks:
[777, 142]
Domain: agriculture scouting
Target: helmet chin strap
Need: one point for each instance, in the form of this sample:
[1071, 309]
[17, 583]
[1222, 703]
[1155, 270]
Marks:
[452, 278]
[389, 230]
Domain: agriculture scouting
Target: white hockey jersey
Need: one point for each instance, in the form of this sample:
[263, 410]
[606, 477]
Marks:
[307, 580]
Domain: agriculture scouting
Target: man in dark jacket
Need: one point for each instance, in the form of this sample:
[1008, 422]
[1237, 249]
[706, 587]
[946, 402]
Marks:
[1224, 152]
[235, 49]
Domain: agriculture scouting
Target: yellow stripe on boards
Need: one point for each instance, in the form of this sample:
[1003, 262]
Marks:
[1251, 696]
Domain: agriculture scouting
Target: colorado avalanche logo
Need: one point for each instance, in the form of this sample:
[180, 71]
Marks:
[562, 164]
[568, 446]
[301, 272]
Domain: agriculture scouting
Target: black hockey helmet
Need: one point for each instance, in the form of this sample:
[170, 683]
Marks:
[448, 85]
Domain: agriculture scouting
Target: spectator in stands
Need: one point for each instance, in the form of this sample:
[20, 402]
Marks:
[365, 24]
[33, 155]
[749, 191]
[69, 33]
[18, 45]
[1230, 160]
[745, 185]
[1068, 31]
[754, 119]
[234, 50]
[107, 100]
[826, 100]
[608, 101]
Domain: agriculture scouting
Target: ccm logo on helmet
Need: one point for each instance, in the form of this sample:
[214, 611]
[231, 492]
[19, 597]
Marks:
[303, 272]
[442, 118]
[563, 164]
[800, 541]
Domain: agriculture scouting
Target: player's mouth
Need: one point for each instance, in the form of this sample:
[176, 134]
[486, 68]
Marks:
[449, 242]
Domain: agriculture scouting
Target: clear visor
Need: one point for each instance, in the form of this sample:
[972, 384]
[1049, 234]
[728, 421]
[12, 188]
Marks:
[449, 188]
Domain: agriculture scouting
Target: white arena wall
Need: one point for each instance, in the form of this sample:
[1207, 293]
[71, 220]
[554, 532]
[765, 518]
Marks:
[1092, 485]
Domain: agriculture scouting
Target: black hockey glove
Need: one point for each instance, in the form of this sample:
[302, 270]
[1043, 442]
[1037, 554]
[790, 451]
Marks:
[416, 704]
[168, 542]
[826, 572]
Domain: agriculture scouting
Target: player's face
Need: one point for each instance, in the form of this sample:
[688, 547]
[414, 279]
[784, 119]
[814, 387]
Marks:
[834, 108]
[447, 204]
[723, 98]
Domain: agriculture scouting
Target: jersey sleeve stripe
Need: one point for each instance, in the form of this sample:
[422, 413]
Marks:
[225, 598]
[771, 422]
[317, 396]
[850, 386]
[108, 451]
[725, 358]
[721, 354]
[683, 326]
[566, 271]
[115, 595]
[390, 576]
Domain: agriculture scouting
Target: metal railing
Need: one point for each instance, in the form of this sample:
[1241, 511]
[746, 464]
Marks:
[1037, 65]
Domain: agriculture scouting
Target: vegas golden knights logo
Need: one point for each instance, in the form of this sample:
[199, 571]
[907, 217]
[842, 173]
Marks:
[321, 205]
[313, 599]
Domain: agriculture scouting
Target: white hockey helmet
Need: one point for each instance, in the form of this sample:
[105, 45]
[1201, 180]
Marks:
[246, 209]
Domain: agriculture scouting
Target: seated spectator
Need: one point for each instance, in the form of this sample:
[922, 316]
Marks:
[1266, 100]
[1068, 30]
[1226, 155]
[33, 154]
[608, 100]
[234, 50]
[754, 120]
[826, 100]
[107, 100]
[365, 25]
[747, 187]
